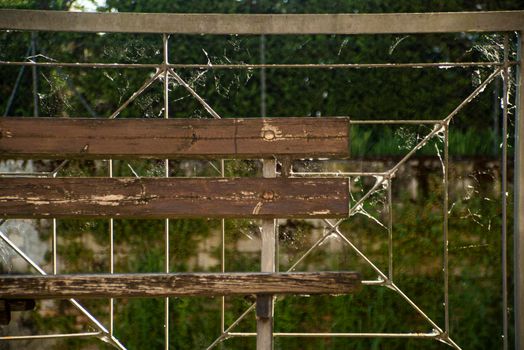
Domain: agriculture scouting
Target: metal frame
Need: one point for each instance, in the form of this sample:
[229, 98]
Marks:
[311, 24]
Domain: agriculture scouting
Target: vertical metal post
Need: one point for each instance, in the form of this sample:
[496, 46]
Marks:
[390, 229]
[53, 243]
[111, 259]
[445, 228]
[264, 307]
[223, 260]
[519, 200]
[263, 111]
[165, 40]
[505, 88]
[35, 76]
[495, 115]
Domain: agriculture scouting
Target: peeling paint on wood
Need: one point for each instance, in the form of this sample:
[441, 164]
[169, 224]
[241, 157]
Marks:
[173, 198]
[176, 284]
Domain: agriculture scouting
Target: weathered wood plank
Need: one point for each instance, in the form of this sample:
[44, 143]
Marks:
[176, 284]
[173, 197]
[173, 138]
[205, 23]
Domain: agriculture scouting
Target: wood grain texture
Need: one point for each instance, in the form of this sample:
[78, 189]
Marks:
[176, 284]
[173, 138]
[154, 198]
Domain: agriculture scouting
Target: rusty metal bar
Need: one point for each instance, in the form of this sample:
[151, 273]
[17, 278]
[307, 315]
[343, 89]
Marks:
[439, 22]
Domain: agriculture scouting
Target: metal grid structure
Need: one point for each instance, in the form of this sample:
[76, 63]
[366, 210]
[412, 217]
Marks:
[306, 24]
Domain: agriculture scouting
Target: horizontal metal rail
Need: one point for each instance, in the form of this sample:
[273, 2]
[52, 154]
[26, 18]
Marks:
[441, 22]
[52, 336]
[441, 65]
[339, 335]
[176, 284]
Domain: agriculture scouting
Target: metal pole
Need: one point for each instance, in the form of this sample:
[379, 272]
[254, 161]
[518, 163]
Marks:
[263, 112]
[207, 66]
[165, 40]
[445, 205]
[223, 256]
[505, 87]
[111, 259]
[519, 201]
[495, 115]
[35, 76]
[264, 305]
[390, 229]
